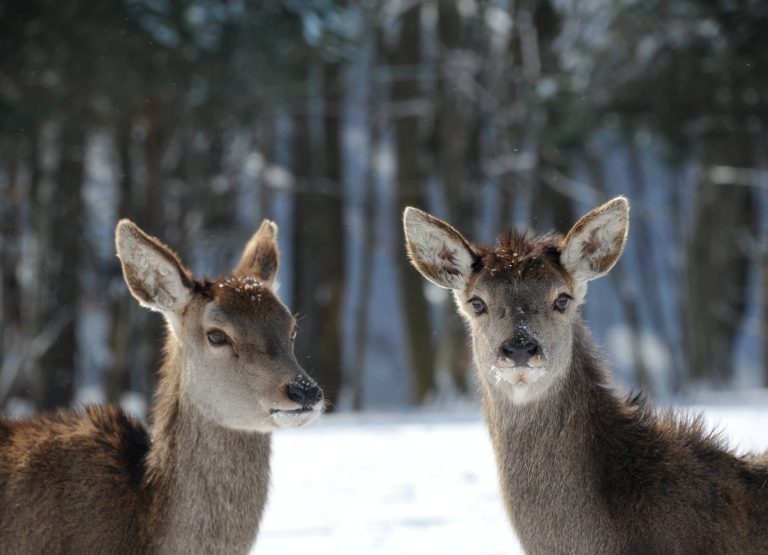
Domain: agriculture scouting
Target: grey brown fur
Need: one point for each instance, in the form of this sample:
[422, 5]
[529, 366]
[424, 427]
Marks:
[97, 481]
[581, 469]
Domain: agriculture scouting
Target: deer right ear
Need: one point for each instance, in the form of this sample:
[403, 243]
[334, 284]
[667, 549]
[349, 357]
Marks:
[596, 241]
[261, 257]
[154, 274]
[437, 250]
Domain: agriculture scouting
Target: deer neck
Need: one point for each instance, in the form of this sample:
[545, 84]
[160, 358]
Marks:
[209, 483]
[546, 453]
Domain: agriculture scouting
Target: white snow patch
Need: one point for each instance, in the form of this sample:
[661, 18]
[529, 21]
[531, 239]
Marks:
[412, 484]
[383, 485]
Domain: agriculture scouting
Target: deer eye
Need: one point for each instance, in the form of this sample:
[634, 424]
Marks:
[218, 338]
[562, 302]
[478, 306]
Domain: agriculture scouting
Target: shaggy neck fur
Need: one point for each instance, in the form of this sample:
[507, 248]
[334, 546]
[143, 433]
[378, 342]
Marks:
[583, 471]
[209, 483]
[544, 459]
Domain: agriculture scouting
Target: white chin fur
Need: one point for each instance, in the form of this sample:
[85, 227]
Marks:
[284, 419]
[518, 376]
[518, 381]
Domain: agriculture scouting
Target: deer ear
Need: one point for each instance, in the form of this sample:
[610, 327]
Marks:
[437, 250]
[154, 274]
[261, 257]
[596, 241]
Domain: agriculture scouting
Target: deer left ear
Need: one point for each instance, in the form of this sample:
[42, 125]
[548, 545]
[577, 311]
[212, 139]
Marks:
[437, 250]
[596, 241]
[154, 274]
[260, 257]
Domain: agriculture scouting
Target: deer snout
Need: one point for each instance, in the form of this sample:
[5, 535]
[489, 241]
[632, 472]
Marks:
[304, 392]
[520, 350]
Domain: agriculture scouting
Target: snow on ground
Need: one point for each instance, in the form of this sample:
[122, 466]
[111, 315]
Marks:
[415, 484]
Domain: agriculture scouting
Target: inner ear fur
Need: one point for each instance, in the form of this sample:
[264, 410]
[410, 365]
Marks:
[437, 250]
[153, 272]
[261, 257]
[595, 243]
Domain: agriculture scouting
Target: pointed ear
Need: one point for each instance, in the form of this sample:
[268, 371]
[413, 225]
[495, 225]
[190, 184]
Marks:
[437, 250]
[261, 257]
[152, 271]
[596, 241]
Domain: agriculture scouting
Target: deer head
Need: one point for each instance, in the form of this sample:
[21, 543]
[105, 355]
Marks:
[232, 337]
[520, 299]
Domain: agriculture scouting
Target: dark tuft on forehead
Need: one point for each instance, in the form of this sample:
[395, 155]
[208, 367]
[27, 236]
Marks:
[523, 255]
[205, 288]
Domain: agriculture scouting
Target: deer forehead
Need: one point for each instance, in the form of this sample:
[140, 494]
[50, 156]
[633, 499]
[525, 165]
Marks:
[521, 283]
[245, 304]
[515, 276]
[520, 257]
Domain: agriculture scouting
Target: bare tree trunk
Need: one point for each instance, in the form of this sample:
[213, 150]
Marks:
[117, 375]
[10, 213]
[552, 208]
[497, 77]
[619, 275]
[362, 303]
[717, 260]
[371, 101]
[219, 204]
[646, 245]
[148, 209]
[455, 139]
[264, 143]
[411, 179]
[62, 266]
[764, 317]
[10, 237]
[538, 29]
[30, 311]
[319, 240]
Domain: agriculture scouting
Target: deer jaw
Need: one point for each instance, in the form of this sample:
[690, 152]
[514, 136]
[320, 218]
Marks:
[233, 337]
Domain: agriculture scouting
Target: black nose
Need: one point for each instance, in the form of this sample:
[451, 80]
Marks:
[520, 349]
[305, 394]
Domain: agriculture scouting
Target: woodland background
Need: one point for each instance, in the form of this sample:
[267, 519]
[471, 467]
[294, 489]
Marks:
[197, 118]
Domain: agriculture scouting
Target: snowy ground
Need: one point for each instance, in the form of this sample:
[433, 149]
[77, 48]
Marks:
[416, 484]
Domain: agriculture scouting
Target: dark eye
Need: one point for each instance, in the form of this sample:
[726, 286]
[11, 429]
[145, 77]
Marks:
[562, 302]
[478, 306]
[218, 338]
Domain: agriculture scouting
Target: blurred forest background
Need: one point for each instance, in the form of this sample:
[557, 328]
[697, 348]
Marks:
[197, 118]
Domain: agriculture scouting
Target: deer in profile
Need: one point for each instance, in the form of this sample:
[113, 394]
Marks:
[583, 470]
[97, 481]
